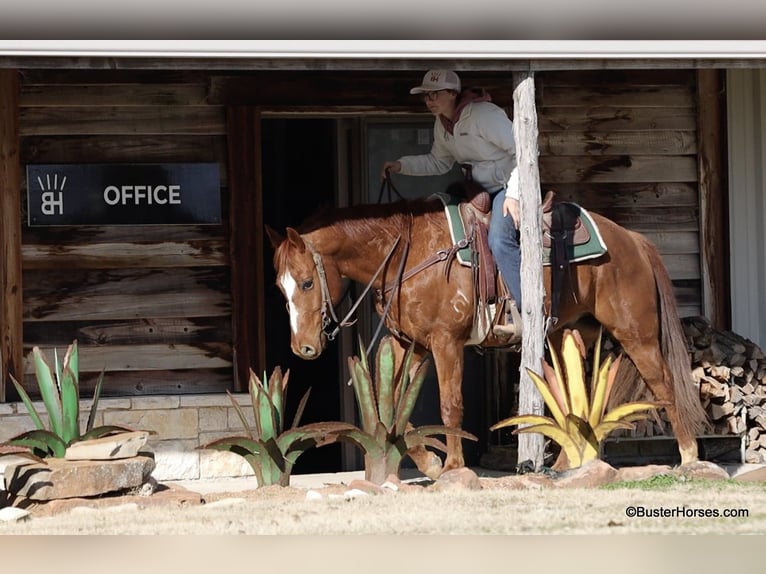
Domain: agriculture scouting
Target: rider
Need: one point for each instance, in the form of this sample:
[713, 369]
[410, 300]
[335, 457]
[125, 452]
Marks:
[471, 130]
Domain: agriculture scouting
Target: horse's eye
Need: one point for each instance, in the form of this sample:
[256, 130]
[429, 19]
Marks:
[307, 284]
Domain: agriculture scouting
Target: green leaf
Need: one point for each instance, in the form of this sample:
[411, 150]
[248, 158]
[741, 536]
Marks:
[265, 414]
[276, 394]
[365, 396]
[70, 404]
[301, 408]
[28, 403]
[44, 441]
[107, 430]
[235, 444]
[407, 404]
[49, 391]
[241, 415]
[96, 396]
[385, 381]
[275, 454]
[404, 377]
[430, 430]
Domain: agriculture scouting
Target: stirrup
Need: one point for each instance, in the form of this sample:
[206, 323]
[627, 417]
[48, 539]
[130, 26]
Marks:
[510, 330]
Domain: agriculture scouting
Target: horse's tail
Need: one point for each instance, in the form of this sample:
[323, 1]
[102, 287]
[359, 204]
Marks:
[674, 348]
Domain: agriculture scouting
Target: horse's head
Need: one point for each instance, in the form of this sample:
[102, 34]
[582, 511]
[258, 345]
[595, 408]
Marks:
[310, 284]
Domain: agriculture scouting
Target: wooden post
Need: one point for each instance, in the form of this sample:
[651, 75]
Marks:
[246, 237]
[11, 330]
[531, 446]
[713, 201]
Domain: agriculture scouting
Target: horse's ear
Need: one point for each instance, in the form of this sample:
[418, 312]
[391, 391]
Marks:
[295, 238]
[275, 237]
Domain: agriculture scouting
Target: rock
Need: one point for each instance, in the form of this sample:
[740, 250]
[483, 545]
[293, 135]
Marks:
[123, 445]
[61, 478]
[591, 474]
[750, 473]
[458, 479]
[313, 495]
[355, 493]
[366, 486]
[634, 473]
[701, 470]
[13, 514]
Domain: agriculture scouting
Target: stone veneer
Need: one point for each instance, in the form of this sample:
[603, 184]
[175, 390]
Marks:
[181, 423]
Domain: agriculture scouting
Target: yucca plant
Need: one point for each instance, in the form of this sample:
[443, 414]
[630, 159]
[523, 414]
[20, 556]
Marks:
[269, 449]
[579, 421]
[385, 407]
[60, 391]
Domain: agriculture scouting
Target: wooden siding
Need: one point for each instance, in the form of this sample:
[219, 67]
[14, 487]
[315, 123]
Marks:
[149, 304]
[624, 144]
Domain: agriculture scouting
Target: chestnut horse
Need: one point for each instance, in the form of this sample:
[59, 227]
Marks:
[627, 290]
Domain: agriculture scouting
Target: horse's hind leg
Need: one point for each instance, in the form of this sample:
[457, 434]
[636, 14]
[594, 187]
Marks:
[428, 462]
[651, 365]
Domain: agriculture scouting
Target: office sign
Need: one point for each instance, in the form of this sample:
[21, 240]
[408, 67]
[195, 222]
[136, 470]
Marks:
[123, 194]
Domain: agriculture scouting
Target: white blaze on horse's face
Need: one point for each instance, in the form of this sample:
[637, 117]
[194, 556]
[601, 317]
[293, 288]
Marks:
[288, 287]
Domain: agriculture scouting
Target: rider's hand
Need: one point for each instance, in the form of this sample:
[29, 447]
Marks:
[391, 167]
[511, 207]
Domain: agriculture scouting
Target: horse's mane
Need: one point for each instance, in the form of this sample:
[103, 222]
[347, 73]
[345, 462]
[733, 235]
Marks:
[367, 220]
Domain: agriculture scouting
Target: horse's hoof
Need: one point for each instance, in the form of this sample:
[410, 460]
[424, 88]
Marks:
[433, 468]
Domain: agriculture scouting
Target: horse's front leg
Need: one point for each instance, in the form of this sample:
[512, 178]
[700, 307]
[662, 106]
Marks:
[449, 359]
[428, 462]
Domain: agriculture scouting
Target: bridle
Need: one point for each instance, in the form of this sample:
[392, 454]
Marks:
[329, 316]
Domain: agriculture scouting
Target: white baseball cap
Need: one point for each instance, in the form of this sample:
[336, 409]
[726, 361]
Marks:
[436, 80]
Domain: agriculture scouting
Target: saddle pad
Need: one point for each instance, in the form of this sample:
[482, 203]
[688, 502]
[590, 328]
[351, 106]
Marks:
[595, 247]
[455, 223]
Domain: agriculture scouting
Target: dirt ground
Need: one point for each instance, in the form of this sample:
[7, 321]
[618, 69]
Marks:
[502, 506]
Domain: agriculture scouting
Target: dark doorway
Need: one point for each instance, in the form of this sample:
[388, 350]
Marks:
[298, 178]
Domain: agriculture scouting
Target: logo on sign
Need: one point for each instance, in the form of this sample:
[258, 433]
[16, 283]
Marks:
[52, 195]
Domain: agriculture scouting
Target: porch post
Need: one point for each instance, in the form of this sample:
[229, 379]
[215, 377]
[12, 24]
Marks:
[531, 446]
[11, 316]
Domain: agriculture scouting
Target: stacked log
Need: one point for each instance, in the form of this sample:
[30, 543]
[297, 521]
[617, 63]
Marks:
[730, 372]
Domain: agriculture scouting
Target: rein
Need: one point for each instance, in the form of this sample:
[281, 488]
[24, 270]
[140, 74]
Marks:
[328, 309]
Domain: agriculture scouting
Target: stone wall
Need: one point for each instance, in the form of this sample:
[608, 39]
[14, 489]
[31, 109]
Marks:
[181, 423]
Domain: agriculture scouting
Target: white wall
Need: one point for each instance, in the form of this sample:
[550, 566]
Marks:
[746, 116]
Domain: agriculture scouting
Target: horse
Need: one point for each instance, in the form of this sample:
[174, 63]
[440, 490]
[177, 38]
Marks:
[389, 247]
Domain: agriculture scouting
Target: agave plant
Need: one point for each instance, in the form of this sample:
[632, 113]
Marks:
[268, 448]
[578, 422]
[385, 407]
[60, 391]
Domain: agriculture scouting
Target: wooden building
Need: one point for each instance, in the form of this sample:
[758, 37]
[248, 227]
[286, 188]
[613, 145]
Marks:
[180, 310]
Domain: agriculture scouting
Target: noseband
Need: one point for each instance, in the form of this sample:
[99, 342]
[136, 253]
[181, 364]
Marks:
[328, 309]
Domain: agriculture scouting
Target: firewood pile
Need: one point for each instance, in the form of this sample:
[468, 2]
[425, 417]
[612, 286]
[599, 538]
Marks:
[731, 373]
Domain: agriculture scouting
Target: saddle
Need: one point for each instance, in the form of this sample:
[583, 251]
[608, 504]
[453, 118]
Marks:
[565, 219]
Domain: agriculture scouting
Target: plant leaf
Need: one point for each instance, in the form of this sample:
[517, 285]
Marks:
[301, 408]
[28, 403]
[407, 403]
[604, 429]
[265, 416]
[70, 404]
[557, 389]
[404, 376]
[560, 436]
[107, 430]
[599, 388]
[524, 420]
[44, 441]
[365, 397]
[385, 381]
[621, 411]
[575, 372]
[276, 395]
[48, 391]
[94, 405]
[241, 415]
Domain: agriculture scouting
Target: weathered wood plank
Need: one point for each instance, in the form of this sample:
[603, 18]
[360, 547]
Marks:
[125, 295]
[631, 95]
[10, 230]
[599, 118]
[618, 169]
[600, 197]
[656, 220]
[139, 383]
[145, 357]
[75, 235]
[64, 77]
[186, 330]
[95, 95]
[583, 78]
[118, 120]
[676, 242]
[682, 266]
[645, 142]
[212, 252]
[108, 148]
